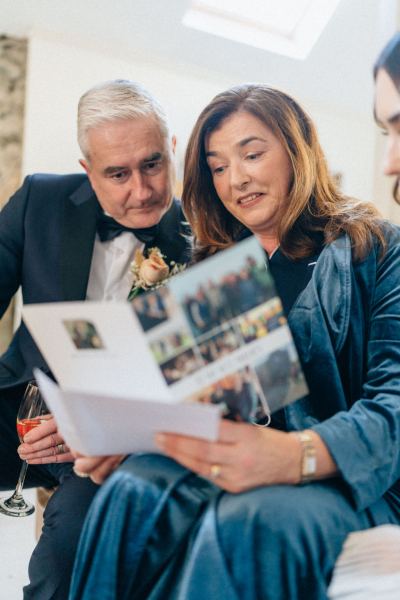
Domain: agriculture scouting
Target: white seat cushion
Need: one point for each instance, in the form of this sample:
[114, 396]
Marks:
[369, 566]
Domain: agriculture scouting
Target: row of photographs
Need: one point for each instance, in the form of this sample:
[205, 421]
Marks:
[180, 354]
[254, 393]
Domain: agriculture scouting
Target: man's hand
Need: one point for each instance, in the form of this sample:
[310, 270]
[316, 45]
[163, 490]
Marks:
[44, 445]
[98, 468]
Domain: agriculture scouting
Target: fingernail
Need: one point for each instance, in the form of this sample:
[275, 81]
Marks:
[160, 439]
[80, 473]
[27, 438]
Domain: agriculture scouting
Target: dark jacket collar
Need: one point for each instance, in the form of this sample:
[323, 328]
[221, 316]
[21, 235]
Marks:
[77, 240]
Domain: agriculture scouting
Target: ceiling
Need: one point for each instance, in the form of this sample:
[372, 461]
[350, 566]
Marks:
[337, 72]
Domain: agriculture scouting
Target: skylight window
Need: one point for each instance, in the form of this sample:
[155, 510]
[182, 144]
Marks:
[289, 27]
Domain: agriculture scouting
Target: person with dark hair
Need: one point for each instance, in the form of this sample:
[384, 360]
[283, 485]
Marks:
[262, 513]
[387, 106]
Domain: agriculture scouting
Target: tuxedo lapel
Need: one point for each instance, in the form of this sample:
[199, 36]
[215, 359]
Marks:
[77, 240]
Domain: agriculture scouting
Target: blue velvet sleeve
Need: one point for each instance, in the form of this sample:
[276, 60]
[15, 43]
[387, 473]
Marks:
[365, 440]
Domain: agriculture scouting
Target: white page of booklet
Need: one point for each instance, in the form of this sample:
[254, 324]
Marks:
[97, 424]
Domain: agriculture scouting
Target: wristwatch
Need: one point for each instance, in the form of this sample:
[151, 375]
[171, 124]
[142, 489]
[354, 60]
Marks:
[308, 466]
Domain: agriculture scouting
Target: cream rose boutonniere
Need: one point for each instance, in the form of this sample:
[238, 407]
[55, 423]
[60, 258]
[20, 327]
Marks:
[151, 272]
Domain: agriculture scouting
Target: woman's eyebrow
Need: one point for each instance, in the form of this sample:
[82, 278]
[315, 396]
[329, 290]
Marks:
[241, 143]
[394, 119]
[251, 138]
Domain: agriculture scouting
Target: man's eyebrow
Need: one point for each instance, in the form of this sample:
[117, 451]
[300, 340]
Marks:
[112, 170]
[241, 144]
[153, 157]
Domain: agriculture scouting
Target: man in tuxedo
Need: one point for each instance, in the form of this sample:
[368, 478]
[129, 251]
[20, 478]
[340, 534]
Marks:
[72, 237]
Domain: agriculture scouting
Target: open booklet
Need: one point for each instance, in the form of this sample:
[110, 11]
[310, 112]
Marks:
[213, 341]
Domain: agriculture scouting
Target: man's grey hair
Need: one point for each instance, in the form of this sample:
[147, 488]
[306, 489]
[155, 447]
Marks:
[116, 100]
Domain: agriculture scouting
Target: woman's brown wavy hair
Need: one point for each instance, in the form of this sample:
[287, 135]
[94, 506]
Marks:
[315, 207]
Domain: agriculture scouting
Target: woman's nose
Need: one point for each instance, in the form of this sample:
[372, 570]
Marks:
[239, 176]
[391, 160]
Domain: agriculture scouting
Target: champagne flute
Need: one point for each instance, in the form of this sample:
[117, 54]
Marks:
[30, 415]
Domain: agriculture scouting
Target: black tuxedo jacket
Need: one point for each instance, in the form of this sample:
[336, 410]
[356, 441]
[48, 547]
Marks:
[47, 233]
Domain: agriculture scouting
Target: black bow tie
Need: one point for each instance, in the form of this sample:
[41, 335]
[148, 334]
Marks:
[108, 229]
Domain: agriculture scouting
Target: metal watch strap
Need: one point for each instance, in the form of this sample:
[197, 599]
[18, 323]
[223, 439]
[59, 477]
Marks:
[308, 457]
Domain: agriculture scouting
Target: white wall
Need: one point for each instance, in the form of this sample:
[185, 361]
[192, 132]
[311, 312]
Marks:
[59, 73]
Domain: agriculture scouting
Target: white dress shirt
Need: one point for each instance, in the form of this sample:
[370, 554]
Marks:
[110, 277]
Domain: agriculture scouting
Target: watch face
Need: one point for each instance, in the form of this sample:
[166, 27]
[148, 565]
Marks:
[309, 463]
[308, 458]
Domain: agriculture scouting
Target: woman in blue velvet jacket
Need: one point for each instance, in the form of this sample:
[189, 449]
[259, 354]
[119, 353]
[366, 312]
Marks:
[262, 513]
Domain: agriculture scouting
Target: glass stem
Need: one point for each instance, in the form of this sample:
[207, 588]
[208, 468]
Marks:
[21, 480]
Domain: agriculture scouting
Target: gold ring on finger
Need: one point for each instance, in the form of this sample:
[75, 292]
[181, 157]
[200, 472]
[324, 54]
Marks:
[60, 448]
